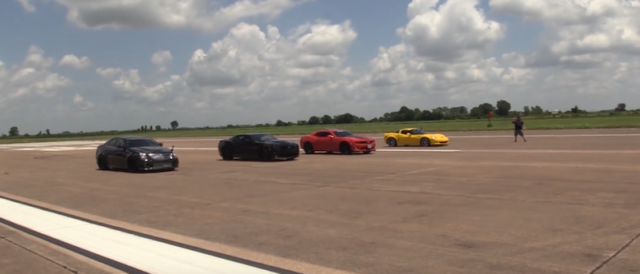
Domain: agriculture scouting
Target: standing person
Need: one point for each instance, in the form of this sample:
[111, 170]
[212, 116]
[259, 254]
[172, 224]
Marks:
[518, 127]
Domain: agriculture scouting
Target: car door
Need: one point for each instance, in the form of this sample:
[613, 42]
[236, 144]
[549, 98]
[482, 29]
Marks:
[250, 147]
[120, 154]
[322, 141]
[404, 138]
[242, 146]
[112, 148]
[106, 150]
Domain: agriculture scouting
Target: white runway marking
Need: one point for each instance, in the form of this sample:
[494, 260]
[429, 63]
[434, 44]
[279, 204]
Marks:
[551, 151]
[381, 150]
[144, 254]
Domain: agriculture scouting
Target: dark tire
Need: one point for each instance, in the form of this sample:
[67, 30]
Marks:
[392, 142]
[226, 154]
[345, 148]
[131, 166]
[308, 148]
[366, 152]
[425, 142]
[290, 159]
[265, 155]
[102, 163]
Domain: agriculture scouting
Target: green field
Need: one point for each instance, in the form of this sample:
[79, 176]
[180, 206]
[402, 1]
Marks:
[627, 121]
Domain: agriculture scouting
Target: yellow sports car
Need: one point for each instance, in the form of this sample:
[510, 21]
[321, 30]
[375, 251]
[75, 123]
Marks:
[414, 137]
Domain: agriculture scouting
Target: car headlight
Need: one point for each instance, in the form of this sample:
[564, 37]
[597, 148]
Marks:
[143, 156]
[173, 155]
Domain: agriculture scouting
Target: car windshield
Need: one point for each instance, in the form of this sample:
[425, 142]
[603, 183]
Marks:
[263, 137]
[417, 131]
[142, 143]
[343, 133]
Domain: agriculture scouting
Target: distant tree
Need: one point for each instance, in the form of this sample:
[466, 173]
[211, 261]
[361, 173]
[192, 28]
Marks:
[301, 122]
[174, 124]
[621, 107]
[537, 110]
[158, 127]
[326, 119]
[280, 123]
[48, 132]
[13, 131]
[527, 110]
[575, 109]
[314, 120]
[346, 118]
[39, 133]
[502, 108]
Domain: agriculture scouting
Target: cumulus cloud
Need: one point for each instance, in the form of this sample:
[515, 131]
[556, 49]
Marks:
[201, 15]
[73, 61]
[80, 103]
[161, 60]
[30, 78]
[261, 73]
[27, 5]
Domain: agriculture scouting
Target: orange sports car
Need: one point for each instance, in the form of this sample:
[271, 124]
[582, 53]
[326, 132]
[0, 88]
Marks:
[336, 140]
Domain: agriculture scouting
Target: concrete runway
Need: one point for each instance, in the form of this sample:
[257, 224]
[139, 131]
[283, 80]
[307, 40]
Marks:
[564, 202]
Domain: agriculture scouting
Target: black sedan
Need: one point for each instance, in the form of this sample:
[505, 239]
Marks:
[135, 154]
[258, 146]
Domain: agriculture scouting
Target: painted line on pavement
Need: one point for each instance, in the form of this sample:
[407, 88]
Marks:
[177, 149]
[127, 251]
[551, 151]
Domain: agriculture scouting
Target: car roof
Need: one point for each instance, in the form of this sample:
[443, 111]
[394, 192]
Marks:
[135, 137]
[409, 128]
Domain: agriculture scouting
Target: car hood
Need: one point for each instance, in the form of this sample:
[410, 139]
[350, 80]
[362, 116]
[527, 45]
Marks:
[150, 149]
[436, 135]
[279, 143]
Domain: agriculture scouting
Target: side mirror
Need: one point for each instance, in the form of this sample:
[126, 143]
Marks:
[161, 144]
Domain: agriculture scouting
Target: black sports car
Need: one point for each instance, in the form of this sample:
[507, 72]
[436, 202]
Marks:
[257, 146]
[135, 154]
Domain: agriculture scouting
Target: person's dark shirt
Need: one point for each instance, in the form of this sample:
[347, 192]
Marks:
[518, 124]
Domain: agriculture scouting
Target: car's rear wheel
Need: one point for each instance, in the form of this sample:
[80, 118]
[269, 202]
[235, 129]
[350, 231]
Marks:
[226, 154]
[308, 148]
[392, 142]
[425, 142]
[102, 163]
[345, 148]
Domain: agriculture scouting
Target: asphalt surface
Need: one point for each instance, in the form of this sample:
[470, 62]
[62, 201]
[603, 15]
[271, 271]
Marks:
[550, 205]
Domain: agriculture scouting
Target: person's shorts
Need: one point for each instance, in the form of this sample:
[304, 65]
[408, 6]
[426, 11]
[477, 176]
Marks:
[517, 132]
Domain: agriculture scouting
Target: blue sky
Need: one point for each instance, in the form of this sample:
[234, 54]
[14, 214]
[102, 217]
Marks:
[527, 39]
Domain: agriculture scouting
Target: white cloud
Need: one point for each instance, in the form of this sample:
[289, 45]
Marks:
[27, 5]
[73, 61]
[80, 103]
[202, 15]
[580, 32]
[253, 74]
[161, 60]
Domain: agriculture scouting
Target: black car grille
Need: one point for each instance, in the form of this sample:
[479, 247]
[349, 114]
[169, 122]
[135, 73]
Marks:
[160, 156]
[287, 147]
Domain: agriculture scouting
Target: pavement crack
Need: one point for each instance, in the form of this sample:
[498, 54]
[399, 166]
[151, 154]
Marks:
[615, 254]
[40, 255]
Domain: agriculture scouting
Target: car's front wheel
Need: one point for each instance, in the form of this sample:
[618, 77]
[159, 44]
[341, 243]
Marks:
[425, 142]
